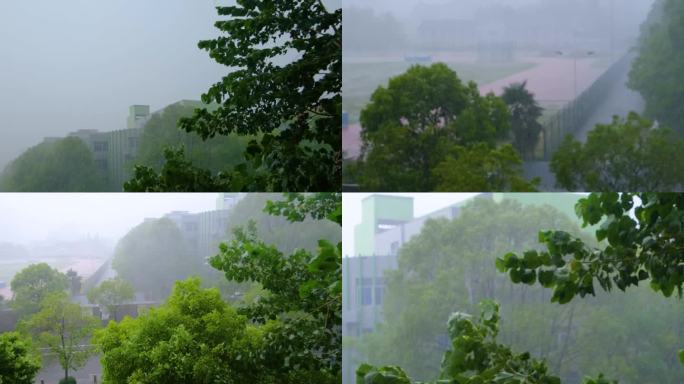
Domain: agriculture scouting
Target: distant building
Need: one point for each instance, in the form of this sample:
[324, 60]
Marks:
[113, 151]
[205, 230]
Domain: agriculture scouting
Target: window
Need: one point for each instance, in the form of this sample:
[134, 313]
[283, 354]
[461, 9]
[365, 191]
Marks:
[366, 296]
[394, 248]
[100, 146]
[379, 293]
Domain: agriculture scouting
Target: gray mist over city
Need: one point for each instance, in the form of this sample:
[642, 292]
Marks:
[75, 64]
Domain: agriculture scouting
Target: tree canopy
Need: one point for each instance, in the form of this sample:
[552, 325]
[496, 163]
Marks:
[64, 165]
[525, 114]
[627, 155]
[63, 327]
[18, 364]
[110, 294]
[644, 246]
[658, 70]
[451, 265]
[161, 131]
[289, 334]
[33, 284]
[194, 337]
[284, 90]
[425, 117]
[152, 256]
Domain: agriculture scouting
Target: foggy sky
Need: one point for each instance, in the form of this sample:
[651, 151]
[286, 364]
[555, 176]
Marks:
[36, 217]
[423, 203]
[79, 64]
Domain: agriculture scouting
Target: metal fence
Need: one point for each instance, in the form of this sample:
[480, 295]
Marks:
[576, 113]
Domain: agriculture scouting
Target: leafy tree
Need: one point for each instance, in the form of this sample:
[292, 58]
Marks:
[481, 168]
[111, 294]
[525, 114]
[152, 256]
[475, 357]
[658, 70]
[33, 284]
[17, 363]
[645, 246]
[65, 165]
[420, 118]
[194, 337]
[286, 235]
[75, 282]
[161, 131]
[627, 155]
[64, 328]
[304, 292]
[293, 109]
[448, 267]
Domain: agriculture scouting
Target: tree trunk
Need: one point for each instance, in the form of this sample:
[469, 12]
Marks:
[66, 359]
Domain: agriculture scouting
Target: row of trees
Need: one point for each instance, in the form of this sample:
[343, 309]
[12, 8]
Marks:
[48, 318]
[452, 265]
[427, 130]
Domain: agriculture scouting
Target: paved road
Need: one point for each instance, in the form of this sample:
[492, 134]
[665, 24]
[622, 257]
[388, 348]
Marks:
[51, 372]
[620, 101]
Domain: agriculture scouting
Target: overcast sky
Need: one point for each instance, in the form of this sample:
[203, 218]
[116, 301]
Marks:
[423, 203]
[79, 64]
[35, 217]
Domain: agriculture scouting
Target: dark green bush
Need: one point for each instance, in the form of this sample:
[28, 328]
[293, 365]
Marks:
[68, 380]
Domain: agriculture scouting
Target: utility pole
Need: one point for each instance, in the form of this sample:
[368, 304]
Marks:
[612, 30]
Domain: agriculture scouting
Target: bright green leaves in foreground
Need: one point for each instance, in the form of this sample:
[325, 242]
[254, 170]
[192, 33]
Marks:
[290, 333]
[644, 245]
[17, 364]
[475, 357]
[282, 91]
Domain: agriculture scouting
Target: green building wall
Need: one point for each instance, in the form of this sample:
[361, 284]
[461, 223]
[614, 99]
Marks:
[375, 211]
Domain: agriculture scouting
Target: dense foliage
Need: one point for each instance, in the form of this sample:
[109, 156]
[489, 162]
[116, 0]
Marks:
[64, 165]
[658, 71]
[195, 337]
[292, 110]
[33, 284]
[290, 334]
[482, 168]
[304, 291]
[162, 131]
[110, 294]
[422, 118]
[278, 230]
[475, 357]
[644, 246]
[525, 114]
[450, 266]
[18, 365]
[152, 256]
[64, 328]
[626, 155]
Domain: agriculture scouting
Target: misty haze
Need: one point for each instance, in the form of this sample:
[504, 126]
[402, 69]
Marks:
[89, 92]
[102, 265]
[554, 81]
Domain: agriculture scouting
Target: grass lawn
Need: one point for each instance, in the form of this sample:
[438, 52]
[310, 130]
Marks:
[359, 80]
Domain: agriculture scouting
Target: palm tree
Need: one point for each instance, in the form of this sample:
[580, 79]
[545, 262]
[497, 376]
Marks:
[525, 114]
